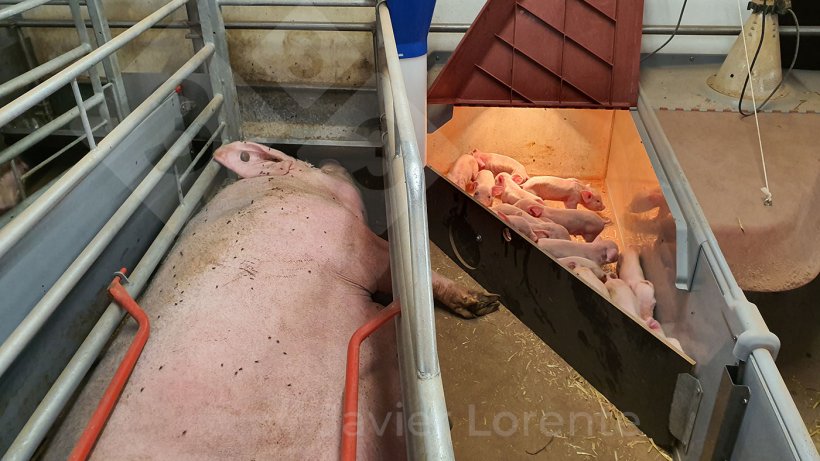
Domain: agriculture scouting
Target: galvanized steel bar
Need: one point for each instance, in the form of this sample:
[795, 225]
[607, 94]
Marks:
[28, 100]
[93, 74]
[219, 68]
[111, 64]
[61, 392]
[60, 152]
[21, 7]
[201, 152]
[42, 70]
[44, 131]
[78, 98]
[40, 313]
[330, 3]
[422, 311]
[15, 230]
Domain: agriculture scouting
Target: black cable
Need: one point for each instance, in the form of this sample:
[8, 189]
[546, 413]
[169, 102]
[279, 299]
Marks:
[791, 66]
[752, 65]
[674, 32]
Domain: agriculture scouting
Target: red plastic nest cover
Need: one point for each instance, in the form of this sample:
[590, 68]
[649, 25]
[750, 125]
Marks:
[546, 53]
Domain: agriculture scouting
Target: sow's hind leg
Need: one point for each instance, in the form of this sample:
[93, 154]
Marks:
[460, 300]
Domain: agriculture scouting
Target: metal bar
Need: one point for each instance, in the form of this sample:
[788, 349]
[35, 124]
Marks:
[93, 74]
[40, 313]
[195, 30]
[15, 230]
[219, 68]
[111, 64]
[72, 376]
[446, 28]
[44, 131]
[78, 98]
[50, 2]
[20, 7]
[201, 152]
[42, 70]
[47, 88]
[422, 389]
[331, 3]
[422, 311]
[60, 152]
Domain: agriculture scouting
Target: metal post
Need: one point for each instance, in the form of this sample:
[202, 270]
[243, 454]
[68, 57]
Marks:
[78, 98]
[111, 64]
[195, 30]
[219, 68]
[82, 34]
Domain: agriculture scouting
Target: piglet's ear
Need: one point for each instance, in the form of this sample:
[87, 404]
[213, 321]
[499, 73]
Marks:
[471, 187]
[535, 211]
[586, 195]
[518, 179]
[497, 191]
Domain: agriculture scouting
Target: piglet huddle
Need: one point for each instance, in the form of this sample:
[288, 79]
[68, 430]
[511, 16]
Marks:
[522, 202]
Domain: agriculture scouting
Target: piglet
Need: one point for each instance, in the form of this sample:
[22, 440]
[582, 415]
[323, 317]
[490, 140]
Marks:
[498, 163]
[571, 262]
[599, 251]
[570, 191]
[482, 188]
[586, 274]
[520, 224]
[645, 293]
[509, 191]
[543, 229]
[463, 171]
[622, 296]
[629, 266]
[578, 222]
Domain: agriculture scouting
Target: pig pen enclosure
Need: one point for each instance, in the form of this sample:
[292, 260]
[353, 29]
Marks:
[73, 125]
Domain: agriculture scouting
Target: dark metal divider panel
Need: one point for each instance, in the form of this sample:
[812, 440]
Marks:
[624, 361]
[41, 257]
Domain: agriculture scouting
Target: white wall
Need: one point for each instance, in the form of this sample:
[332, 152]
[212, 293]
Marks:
[323, 58]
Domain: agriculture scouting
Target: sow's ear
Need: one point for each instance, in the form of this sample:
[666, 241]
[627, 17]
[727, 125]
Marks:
[249, 160]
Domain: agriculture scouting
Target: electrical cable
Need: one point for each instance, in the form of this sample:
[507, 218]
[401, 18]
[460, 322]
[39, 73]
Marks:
[791, 66]
[674, 32]
[752, 65]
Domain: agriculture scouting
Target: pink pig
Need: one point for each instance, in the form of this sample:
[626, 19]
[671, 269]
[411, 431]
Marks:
[463, 171]
[629, 266]
[578, 222]
[645, 293]
[599, 251]
[543, 229]
[498, 163]
[570, 191]
[571, 262]
[622, 296]
[482, 188]
[520, 224]
[588, 275]
[509, 191]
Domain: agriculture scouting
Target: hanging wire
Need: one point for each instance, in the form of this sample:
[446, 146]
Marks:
[767, 195]
[674, 33]
[791, 66]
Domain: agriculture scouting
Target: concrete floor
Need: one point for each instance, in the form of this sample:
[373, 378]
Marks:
[512, 397]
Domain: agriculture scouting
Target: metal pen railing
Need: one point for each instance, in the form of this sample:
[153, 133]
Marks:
[422, 389]
[212, 56]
